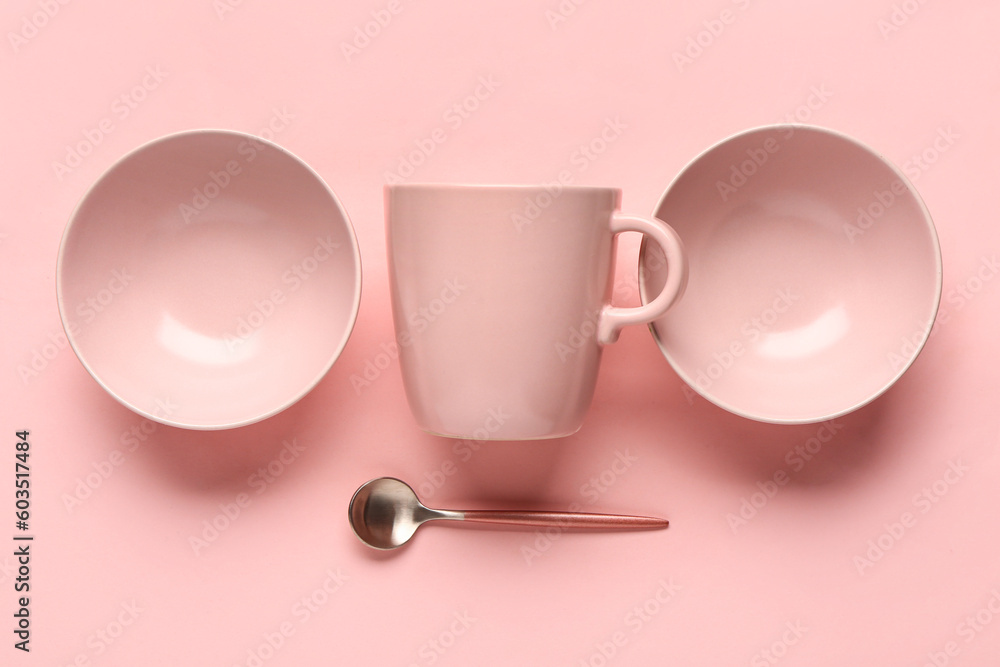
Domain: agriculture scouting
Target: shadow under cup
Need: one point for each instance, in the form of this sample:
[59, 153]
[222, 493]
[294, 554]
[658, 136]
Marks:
[500, 302]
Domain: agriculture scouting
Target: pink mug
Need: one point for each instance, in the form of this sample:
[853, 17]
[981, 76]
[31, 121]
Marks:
[501, 302]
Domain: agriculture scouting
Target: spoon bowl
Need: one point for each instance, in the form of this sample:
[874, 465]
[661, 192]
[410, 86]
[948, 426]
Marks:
[385, 513]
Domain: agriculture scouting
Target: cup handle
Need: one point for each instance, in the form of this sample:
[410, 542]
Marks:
[613, 318]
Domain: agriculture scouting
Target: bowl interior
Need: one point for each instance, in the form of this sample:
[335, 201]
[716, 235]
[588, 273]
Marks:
[209, 279]
[815, 274]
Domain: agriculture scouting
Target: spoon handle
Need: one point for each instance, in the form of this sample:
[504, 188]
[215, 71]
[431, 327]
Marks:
[562, 519]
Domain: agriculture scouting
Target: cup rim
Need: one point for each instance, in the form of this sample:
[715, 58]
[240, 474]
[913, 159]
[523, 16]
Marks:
[524, 187]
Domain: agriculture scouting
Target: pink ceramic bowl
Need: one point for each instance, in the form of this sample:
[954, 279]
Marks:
[209, 279]
[814, 274]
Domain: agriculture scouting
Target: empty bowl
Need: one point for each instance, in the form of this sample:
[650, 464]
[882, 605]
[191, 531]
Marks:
[209, 279]
[814, 274]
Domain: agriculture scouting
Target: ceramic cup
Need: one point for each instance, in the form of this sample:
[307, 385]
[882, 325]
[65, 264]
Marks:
[500, 299]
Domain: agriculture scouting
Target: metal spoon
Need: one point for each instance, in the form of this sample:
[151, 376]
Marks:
[385, 513]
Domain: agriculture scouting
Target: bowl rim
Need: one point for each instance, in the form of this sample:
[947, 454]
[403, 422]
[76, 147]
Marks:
[928, 225]
[261, 415]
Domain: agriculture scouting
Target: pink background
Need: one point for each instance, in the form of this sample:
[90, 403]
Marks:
[115, 578]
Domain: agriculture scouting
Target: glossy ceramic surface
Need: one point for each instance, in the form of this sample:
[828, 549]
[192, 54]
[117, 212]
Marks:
[501, 302]
[209, 279]
[815, 274]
